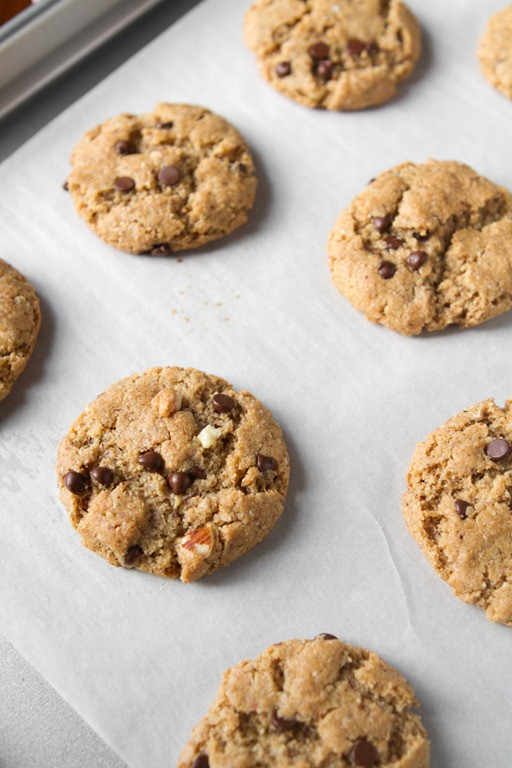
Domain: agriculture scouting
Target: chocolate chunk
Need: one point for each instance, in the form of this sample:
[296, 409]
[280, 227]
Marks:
[324, 69]
[421, 237]
[164, 249]
[201, 761]
[75, 482]
[132, 555]
[282, 723]
[102, 475]
[363, 754]
[356, 47]
[169, 175]
[222, 403]
[381, 223]
[416, 260]
[319, 51]
[461, 507]
[393, 243]
[196, 473]
[164, 125]
[242, 167]
[151, 461]
[265, 462]
[498, 449]
[179, 482]
[65, 186]
[125, 148]
[327, 636]
[386, 269]
[283, 69]
[124, 183]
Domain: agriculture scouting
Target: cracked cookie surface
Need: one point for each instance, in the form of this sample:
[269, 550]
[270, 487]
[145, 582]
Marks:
[424, 247]
[169, 180]
[495, 51]
[458, 505]
[333, 54]
[310, 704]
[20, 319]
[173, 472]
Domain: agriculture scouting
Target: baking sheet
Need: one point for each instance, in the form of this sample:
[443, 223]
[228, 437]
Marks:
[138, 657]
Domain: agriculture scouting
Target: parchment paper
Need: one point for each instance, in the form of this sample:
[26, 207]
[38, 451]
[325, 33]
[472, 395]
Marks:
[140, 658]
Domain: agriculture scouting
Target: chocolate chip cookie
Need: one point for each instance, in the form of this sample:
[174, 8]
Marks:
[424, 247]
[458, 505]
[20, 319]
[309, 704]
[173, 472]
[495, 51]
[334, 54]
[172, 179]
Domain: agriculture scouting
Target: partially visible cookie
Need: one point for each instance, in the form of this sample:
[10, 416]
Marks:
[20, 318]
[168, 180]
[310, 704]
[458, 505]
[335, 54]
[424, 247]
[495, 51]
[173, 472]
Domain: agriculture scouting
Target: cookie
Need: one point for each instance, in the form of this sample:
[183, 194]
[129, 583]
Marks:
[495, 51]
[20, 319]
[424, 247]
[457, 505]
[310, 704]
[334, 54]
[172, 179]
[173, 472]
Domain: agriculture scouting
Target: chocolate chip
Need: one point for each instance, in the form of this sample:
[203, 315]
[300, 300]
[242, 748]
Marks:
[242, 167]
[201, 761]
[324, 69]
[355, 46]
[460, 508]
[151, 461]
[125, 148]
[283, 69]
[179, 482]
[319, 51]
[75, 482]
[386, 269]
[132, 555]
[196, 473]
[169, 175]
[381, 223]
[498, 449]
[102, 475]
[222, 403]
[265, 462]
[393, 243]
[164, 249]
[65, 186]
[327, 636]
[363, 754]
[164, 125]
[124, 183]
[416, 260]
[421, 237]
[282, 723]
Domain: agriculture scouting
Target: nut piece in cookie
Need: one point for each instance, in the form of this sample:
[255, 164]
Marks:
[337, 55]
[458, 505]
[169, 180]
[20, 319]
[495, 51]
[310, 703]
[424, 247]
[163, 472]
